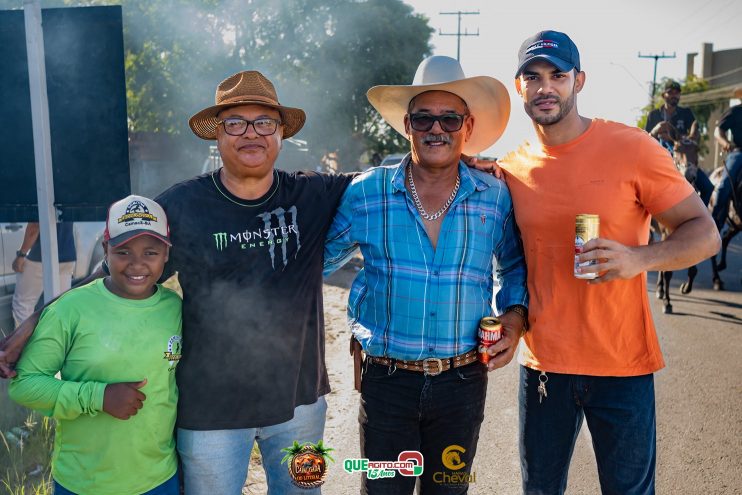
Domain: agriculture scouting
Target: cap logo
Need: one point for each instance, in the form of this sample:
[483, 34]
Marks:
[543, 44]
[137, 210]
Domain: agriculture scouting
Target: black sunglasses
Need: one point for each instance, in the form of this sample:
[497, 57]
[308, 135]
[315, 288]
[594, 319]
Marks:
[449, 122]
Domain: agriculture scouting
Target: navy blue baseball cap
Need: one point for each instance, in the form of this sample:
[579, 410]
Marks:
[550, 46]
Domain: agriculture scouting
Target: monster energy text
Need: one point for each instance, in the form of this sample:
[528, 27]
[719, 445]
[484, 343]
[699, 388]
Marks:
[269, 235]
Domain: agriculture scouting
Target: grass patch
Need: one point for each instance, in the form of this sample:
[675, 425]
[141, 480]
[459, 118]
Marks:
[25, 454]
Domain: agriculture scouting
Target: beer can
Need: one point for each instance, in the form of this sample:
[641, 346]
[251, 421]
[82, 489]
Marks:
[587, 227]
[490, 331]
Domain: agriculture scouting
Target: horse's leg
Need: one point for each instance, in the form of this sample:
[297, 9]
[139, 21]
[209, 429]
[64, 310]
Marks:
[667, 276]
[716, 279]
[687, 286]
[730, 233]
[660, 291]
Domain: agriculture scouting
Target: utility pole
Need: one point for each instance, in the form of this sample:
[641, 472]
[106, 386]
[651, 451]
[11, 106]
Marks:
[656, 58]
[458, 32]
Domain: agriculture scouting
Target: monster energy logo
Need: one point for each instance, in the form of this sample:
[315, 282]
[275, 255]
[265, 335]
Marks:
[268, 235]
[280, 213]
[221, 240]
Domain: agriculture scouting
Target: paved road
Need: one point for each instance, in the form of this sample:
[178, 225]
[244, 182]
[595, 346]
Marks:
[699, 400]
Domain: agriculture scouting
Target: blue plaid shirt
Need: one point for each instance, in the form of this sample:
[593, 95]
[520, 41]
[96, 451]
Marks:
[412, 301]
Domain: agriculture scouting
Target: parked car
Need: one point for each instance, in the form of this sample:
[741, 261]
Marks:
[88, 237]
[393, 159]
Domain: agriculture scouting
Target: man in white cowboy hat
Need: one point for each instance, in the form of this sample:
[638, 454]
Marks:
[428, 229]
[591, 349]
[249, 260]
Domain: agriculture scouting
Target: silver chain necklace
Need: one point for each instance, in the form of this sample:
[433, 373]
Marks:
[427, 216]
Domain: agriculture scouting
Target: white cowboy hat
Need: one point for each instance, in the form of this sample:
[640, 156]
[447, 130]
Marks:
[486, 97]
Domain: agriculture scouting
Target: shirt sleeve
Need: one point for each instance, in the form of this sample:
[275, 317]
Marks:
[652, 120]
[511, 262]
[659, 184]
[36, 387]
[726, 121]
[339, 246]
[335, 186]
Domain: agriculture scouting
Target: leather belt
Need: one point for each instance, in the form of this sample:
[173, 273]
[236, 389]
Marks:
[428, 366]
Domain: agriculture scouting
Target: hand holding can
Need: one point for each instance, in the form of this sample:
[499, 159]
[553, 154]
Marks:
[490, 331]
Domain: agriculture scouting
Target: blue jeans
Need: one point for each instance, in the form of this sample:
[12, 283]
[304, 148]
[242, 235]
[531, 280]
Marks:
[170, 487]
[216, 461]
[406, 410]
[621, 418]
[724, 188]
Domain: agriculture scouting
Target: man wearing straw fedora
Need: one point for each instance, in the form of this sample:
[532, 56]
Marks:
[430, 230]
[250, 240]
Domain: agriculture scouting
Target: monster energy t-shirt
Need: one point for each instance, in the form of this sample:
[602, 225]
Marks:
[251, 273]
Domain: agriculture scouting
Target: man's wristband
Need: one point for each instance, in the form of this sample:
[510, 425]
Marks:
[20, 254]
[522, 311]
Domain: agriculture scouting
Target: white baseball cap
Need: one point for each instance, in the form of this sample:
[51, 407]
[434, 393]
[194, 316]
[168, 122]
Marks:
[135, 216]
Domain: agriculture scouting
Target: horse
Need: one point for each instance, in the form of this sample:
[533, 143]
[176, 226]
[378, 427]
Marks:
[685, 155]
[733, 223]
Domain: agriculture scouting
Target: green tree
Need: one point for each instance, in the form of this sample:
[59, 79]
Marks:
[322, 55]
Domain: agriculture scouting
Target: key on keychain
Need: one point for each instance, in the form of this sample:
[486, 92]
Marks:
[542, 378]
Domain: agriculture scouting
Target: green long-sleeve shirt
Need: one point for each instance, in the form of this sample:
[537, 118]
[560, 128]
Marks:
[93, 338]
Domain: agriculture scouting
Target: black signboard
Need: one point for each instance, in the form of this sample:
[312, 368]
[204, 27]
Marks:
[84, 53]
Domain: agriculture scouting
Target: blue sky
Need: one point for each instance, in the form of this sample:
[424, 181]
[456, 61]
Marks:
[609, 36]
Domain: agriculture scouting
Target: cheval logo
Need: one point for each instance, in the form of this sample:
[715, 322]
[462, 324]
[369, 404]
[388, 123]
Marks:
[307, 463]
[451, 457]
[173, 353]
[543, 44]
[137, 211]
[278, 227]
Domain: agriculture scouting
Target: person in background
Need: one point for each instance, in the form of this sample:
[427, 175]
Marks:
[29, 283]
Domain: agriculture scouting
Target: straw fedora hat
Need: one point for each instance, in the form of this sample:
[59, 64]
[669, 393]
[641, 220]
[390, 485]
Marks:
[248, 87]
[486, 97]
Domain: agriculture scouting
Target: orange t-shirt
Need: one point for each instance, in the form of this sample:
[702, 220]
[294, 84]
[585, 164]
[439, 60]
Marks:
[623, 175]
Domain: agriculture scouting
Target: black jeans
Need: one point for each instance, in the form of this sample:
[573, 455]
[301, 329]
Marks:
[406, 410]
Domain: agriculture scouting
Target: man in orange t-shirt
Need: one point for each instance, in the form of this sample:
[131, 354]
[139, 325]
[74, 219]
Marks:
[592, 347]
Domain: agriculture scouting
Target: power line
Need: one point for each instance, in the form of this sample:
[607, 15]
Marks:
[458, 32]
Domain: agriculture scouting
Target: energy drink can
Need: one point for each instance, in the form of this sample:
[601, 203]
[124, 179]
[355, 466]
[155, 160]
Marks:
[587, 227]
[490, 331]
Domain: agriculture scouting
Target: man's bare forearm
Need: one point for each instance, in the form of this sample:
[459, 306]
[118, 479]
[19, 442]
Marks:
[691, 242]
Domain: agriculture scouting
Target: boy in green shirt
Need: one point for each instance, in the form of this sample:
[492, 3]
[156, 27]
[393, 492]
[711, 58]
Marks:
[115, 342]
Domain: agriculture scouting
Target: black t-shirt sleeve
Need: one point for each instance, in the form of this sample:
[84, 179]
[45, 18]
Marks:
[335, 185]
[652, 120]
[727, 120]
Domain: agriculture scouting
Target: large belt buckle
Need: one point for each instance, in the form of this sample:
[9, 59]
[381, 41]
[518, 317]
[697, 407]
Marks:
[426, 364]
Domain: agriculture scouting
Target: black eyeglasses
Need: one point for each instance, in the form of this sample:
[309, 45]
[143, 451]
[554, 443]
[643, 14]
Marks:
[450, 122]
[235, 126]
